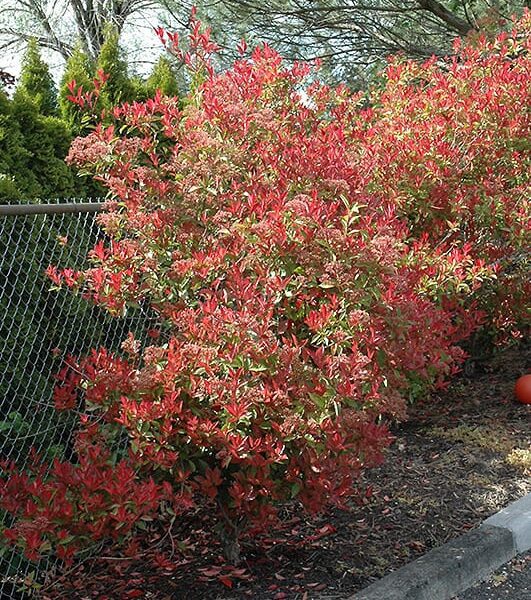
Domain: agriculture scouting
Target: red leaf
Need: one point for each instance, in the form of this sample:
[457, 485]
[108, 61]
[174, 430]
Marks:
[211, 571]
[227, 581]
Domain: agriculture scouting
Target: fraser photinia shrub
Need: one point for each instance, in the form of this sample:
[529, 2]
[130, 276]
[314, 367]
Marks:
[447, 146]
[314, 256]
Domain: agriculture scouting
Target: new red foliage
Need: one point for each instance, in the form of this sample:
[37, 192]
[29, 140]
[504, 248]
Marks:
[314, 262]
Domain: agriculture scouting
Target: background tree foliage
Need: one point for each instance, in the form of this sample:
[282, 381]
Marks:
[350, 36]
[163, 77]
[36, 81]
[79, 68]
[32, 151]
[118, 87]
[60, 24]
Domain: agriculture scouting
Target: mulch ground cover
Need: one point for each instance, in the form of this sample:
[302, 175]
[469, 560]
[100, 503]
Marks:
[463, 455]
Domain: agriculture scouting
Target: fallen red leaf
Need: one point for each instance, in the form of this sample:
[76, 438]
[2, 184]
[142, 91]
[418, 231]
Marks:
[322, 532]
[227, 581]
[210, 571]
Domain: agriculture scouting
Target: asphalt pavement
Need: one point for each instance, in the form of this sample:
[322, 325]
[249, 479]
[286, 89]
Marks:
[510, 582]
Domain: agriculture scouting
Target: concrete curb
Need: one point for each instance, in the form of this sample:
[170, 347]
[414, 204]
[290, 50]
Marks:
[455, 566]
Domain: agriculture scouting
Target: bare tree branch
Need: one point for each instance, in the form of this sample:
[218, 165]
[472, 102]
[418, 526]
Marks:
[58, 24]
[350, 34]
[461, 26]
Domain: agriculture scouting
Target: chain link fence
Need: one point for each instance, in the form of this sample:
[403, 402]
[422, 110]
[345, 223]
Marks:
[39, 327]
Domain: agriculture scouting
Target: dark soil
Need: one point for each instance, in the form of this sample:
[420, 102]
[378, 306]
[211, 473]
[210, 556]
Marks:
[463, 455]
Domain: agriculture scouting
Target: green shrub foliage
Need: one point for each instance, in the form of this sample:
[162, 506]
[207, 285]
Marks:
[36, 82]
[118, 87]
[79, 68]
[163, 78]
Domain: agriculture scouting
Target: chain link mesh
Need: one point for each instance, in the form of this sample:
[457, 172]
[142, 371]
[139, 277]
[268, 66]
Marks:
[39, 327]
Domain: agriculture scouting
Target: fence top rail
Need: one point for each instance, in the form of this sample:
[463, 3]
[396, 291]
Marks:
[49, 209]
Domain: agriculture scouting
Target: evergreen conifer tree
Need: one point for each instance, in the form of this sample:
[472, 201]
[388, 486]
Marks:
[80, 69]
[32, 151]
[47, 140]
[140, 92]
[36, 82]
[15, 158]
[162, 78]
[118, 88]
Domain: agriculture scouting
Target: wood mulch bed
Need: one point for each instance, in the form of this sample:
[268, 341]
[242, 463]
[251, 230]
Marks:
[463, 455]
